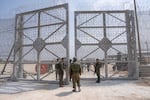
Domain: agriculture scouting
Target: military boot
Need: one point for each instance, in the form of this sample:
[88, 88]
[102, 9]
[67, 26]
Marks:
[79, 89]
[74, 90]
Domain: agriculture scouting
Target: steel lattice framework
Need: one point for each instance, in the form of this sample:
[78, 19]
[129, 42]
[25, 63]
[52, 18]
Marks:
[41, 37]
[103, 34]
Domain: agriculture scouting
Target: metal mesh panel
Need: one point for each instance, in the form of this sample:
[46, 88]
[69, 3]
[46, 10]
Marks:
[7, 28]
[104, 34]
[41, 37]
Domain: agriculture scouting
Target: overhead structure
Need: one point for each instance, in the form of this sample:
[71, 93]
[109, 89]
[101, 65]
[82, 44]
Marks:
[106, 35]
[41, 37]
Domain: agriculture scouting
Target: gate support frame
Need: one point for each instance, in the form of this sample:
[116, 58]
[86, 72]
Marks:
[38, 44]
[131, 38]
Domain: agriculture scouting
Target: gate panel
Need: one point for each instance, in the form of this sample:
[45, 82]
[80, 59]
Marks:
[41, 37]
[109, 36]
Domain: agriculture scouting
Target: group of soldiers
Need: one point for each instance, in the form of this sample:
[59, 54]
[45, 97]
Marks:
[74, 72]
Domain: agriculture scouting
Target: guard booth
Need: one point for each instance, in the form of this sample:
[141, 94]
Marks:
[41, 37]
[109, 36]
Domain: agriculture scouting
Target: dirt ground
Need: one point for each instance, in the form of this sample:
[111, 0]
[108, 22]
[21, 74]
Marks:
[106, 90]
[90, 90]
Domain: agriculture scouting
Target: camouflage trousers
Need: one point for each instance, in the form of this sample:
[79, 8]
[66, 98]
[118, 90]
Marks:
[61, 79]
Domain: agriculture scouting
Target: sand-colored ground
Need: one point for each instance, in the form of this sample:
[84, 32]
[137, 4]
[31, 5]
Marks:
[106, 90]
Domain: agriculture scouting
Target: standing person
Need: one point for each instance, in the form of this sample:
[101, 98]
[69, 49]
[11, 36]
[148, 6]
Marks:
[97, 66]
[61, 72]
[75, 72]
[118, 64]
[57, 68]
[70, 74]
[88, 67]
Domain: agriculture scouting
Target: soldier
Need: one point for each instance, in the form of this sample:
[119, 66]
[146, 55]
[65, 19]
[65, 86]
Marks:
[57, 68]
[70, 73]
[75, 72]
[97, 66]
[88, 67]
[60, 67]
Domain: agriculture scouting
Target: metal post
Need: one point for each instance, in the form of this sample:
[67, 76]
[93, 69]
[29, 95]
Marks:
[67, 33]
[7, 59]
[38, 52]
[129, 46]
[147, 51]
[14, 75]
[20, 33]
[75, 30]
[138, 34]
[106, 65]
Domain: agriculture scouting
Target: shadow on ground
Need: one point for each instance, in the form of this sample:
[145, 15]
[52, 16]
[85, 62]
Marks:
[62, 94]
[24, 86]
[92, 82]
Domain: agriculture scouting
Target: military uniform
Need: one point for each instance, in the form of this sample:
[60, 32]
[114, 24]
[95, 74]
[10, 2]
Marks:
[56, 70]
[75, 72]
[97, 71]
[60, 71]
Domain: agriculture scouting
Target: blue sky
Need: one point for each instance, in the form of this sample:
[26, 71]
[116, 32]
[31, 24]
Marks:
[9, 7]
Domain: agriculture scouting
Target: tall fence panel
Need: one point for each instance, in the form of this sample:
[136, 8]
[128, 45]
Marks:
[109, 36]
[41, 37]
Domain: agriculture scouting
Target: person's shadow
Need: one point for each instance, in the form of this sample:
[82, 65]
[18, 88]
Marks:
[62, 94]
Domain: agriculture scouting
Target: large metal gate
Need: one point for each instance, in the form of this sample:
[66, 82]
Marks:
[109, 36]
[41, 37]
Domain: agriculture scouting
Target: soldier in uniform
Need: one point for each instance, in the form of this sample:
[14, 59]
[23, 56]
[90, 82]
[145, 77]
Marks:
[75, 72]
[57, 68]
[60, 69]
[97, 66]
